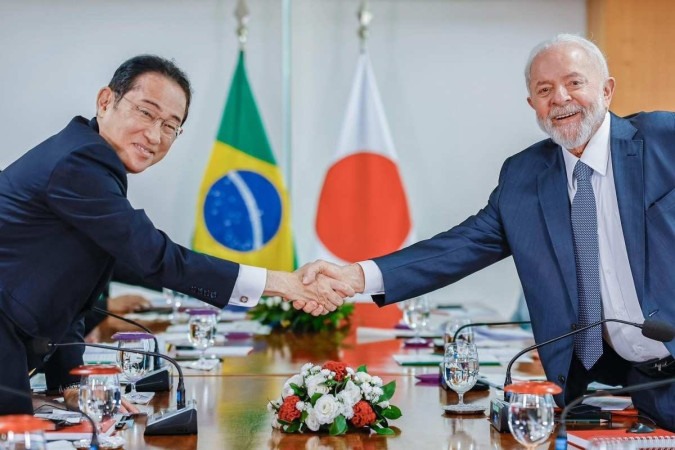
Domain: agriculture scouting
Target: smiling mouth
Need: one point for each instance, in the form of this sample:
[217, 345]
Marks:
[565, 116]
[145, 151]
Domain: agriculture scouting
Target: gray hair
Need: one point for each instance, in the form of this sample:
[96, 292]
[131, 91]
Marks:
[591, 49]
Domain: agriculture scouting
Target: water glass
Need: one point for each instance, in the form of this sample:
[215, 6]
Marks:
[23, 432]
[134, 365]
[416, 316]
[202, 333]
[460, 372]
[455, 324]
[531, 418]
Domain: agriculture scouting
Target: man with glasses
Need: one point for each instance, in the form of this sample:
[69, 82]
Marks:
[65, 221]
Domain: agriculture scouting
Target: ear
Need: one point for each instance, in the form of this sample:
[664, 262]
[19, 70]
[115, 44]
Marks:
[529, 102]
[608, 90]
[104, 101]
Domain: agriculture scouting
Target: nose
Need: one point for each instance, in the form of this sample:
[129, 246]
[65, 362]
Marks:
[561, 95]
[153, 134]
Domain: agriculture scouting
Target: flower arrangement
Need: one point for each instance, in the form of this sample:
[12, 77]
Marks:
[333, 398]
[281, 315]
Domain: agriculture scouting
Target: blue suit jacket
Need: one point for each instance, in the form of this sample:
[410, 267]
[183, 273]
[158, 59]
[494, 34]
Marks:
[528, 217]
[65, 220]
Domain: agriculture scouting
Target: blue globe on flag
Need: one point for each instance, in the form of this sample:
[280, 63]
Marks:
[242, 211]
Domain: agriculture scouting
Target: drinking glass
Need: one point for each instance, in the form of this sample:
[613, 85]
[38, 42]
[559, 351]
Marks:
[202, 334]
[455, 324]
[134, 365]
[100, 395]
[531, 418]
[23, 432]
[460, 371]
[175, 300]
[416, 316]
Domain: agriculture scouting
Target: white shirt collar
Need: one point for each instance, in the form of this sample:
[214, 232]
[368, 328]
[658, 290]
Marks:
[595, 155]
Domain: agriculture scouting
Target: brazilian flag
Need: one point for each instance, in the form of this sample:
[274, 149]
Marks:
[243, 213]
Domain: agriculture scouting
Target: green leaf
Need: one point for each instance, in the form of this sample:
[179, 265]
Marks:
[387, 391]
[315, 397]
[362, 368]
[385, 431]
[339, 426]
[293, 428]
[393, 412]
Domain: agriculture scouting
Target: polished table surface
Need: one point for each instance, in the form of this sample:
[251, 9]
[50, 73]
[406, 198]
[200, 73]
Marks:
[232, 401]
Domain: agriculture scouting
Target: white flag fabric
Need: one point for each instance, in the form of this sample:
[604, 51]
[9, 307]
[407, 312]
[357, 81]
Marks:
[363, 209]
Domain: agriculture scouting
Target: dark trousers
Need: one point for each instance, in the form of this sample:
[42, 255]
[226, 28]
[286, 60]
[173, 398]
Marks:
[657, 404]
[16, 362]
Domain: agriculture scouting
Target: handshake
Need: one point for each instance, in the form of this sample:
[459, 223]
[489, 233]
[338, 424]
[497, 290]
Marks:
[316, 288]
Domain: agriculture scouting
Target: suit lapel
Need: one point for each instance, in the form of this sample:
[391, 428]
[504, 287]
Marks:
[555, 205]
[628, 181]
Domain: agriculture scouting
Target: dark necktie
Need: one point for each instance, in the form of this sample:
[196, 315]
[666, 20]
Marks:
[587, 344]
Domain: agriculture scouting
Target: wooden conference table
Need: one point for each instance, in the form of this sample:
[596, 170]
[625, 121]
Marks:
[232, 399]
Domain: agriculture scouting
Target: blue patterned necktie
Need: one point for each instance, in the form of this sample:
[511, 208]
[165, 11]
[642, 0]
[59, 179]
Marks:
[587, 344]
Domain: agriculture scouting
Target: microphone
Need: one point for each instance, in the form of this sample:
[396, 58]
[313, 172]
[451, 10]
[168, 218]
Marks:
[491, 324]
[561, 438]
[93, 443]
[159, 380]
[181, 421]
[651, 328]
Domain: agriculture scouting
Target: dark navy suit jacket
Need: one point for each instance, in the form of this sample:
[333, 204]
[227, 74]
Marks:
[65, 220]
[528, 217]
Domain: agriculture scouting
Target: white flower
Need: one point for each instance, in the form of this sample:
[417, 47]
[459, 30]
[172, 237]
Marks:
[350, 371]
[377, 392]
[296, 380]
[304, 371]
[326, 409]
[384, 404]
[326, 373]
[285, 306]
[275, 423]
[346, 410]
[311, 421]
[350, 395]
[363, 377]
[376, 381]
[316, 383]
[300, 406]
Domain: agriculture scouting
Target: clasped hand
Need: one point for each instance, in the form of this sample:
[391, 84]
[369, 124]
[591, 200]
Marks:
[316, 288]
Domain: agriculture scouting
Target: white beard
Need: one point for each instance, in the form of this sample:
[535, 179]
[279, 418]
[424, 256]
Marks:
[574, 136]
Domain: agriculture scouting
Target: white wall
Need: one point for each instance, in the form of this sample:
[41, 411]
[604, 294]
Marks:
[449, 71]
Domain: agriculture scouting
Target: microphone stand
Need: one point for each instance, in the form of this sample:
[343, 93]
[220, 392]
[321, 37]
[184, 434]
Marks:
[181, 421]
[93, 443]
[159, 380]
[561, 438]
[491, 324]
[652, 329]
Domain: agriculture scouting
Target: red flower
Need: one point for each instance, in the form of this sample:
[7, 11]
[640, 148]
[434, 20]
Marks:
[363, 414]
[339, 368]
[288, 412]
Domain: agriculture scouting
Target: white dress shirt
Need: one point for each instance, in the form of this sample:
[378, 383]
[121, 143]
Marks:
[249, 286]
[619, 298]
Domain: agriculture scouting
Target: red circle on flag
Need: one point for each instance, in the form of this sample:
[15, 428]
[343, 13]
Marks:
[363, 211]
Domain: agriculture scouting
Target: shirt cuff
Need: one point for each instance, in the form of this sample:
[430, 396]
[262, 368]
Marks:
[374, 283]
[249, 286]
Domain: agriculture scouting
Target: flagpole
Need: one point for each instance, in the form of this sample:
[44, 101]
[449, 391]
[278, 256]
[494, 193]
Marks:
[286, 136]
[365, 17]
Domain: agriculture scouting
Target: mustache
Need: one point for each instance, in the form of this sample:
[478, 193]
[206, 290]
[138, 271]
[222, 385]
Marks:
[564, 111]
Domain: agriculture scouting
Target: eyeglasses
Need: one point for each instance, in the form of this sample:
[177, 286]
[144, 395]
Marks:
[168, 128]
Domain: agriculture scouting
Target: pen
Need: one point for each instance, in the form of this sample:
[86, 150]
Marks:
[586, 421]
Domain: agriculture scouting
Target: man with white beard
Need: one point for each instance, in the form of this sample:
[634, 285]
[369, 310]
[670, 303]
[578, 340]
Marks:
[589, 219]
